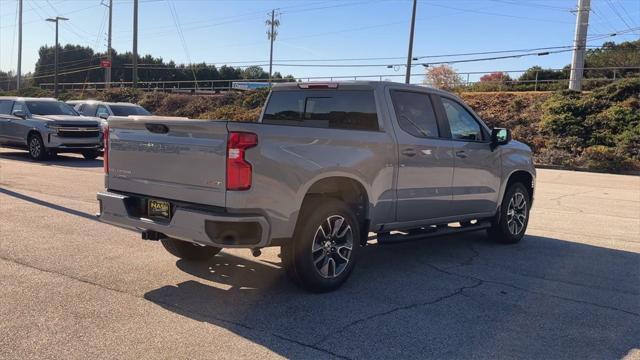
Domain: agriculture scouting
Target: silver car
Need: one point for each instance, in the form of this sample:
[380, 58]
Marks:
[105, 109]
[46, 126]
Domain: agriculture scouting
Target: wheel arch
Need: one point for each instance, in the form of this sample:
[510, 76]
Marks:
[524, 177]
[30, 133]
[347, 189]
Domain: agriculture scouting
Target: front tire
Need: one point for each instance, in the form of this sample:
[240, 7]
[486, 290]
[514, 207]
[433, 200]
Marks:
[511, 222]
[189, 251]
[91, 154]
[37, 150]
[324, 249]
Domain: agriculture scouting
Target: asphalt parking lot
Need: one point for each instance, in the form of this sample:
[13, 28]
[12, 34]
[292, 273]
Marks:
[71, 287]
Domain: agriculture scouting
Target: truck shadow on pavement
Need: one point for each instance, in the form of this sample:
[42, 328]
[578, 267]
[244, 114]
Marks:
[449, 297]
[67, 160]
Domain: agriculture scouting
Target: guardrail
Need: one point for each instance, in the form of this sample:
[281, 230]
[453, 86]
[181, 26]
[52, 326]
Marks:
[465, 80]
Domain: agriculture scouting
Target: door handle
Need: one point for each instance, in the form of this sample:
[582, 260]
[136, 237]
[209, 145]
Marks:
[409, 152]
[461, 154]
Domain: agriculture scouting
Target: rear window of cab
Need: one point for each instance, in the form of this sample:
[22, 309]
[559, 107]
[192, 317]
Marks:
[333, 109]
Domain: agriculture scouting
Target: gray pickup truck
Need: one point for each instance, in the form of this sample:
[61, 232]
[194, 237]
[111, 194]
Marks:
[46, 126]
[327, 164]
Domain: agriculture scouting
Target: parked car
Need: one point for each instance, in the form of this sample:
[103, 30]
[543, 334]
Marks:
[46, 126]
[105, 109]
[326, 165]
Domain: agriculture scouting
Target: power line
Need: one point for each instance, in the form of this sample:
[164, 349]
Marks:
[617, 13]
[498, 14]
[625, 11]
[176, 21]
[256, 62]
[67, 72]
[534, 5]
[602, 19]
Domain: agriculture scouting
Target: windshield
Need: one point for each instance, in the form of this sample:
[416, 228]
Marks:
[124, 110]
[50, 108]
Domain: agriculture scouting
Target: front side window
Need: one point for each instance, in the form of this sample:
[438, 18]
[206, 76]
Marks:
[89, 109]
[37, 107]
[18, 107]
[463, 125]
[5, 107]
[102, 111]
[415, 113]
[337, 109]
[126, 110]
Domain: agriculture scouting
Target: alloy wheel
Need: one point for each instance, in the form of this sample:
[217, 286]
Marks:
[517, 213]
[34, 147]
[332, 246]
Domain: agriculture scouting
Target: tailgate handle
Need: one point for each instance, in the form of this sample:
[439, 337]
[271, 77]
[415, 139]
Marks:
[157, 128]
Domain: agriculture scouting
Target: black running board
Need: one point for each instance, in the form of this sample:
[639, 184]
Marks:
[428, 232]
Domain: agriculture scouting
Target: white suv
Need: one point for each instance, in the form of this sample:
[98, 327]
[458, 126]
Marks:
[105, 109]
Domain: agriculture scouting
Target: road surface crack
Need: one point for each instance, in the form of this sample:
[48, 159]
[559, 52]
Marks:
[495, 282]
[459, 291]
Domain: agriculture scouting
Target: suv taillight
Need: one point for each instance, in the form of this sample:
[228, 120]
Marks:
[105, 148]
[238, 169]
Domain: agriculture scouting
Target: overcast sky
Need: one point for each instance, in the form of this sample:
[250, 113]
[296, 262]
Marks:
[219, 31]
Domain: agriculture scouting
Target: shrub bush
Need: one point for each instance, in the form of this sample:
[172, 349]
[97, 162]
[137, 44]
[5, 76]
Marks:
[121, 95]
[605, 158]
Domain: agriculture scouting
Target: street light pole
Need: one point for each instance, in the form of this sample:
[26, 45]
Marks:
[407, 78]
[55, 72]
[107, 71]
[579, 45]
[19, 72]
[135, 44]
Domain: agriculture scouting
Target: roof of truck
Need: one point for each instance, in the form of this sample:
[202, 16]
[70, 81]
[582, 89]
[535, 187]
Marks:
[351, 85]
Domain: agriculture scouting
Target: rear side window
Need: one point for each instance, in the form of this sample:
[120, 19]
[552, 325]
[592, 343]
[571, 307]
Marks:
[337, 109]
[415, 113]
[6, 106]
[125, 110]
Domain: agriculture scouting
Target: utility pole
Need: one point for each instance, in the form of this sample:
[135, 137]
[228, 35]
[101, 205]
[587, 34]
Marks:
[19, 73]
[107, 71]
[271, 35]
[579, 45]
[135, 44]
[407, 78]
[55, 72]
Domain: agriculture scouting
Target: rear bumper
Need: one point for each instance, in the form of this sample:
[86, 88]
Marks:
[206, 228]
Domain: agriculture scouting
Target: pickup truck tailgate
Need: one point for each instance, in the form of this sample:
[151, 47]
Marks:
[168, 158]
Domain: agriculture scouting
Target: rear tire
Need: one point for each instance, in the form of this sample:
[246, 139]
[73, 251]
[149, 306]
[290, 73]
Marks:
[37, 150]
[189, 251]
[323, 251]
[91, 154]
[511, 223]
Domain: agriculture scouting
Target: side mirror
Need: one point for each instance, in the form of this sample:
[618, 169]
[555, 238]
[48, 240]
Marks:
[19, 113]
[103, 116]
[500, 136]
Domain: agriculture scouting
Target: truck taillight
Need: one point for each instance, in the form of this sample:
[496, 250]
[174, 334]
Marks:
[105, 148]
[238, 169]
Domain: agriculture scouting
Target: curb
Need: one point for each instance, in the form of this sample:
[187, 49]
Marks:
[568, 168]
